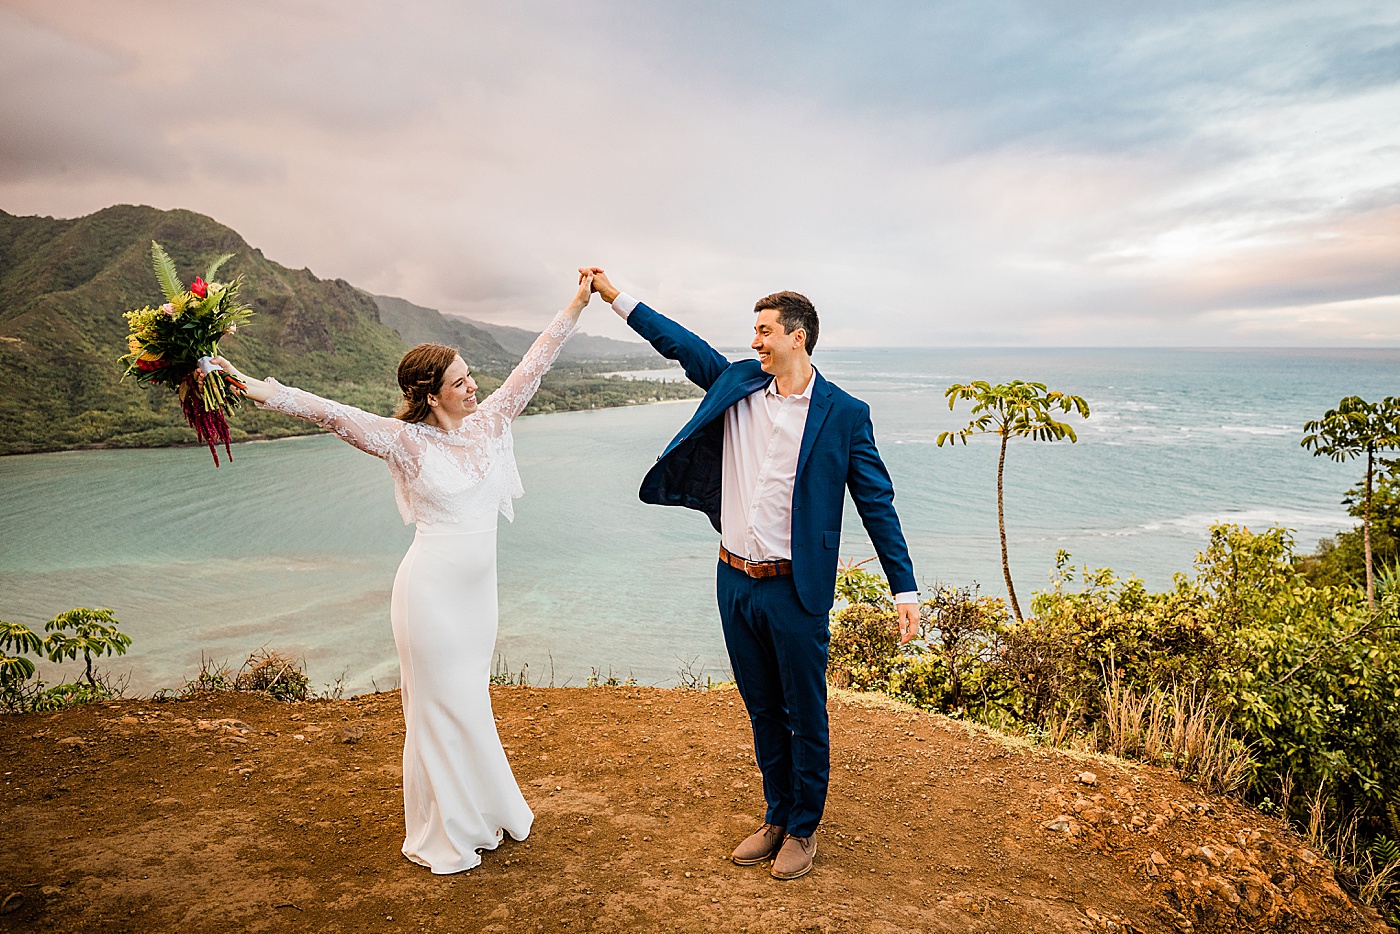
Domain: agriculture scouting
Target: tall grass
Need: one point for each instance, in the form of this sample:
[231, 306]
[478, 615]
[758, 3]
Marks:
[1176, 729]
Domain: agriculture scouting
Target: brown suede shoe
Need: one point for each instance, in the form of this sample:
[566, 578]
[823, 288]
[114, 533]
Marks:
[758, 846]
[794, 859]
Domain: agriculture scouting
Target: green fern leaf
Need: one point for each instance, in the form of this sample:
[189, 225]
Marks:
[1386, 850]
[165, 272]
[214, 266]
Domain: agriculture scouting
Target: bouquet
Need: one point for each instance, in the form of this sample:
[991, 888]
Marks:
[172, 346]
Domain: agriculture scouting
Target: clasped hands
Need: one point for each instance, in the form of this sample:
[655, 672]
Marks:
[593, 279]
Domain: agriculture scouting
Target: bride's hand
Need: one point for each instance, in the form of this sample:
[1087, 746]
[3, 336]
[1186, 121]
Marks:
[228, 368]
[584, 293]
[254, 389]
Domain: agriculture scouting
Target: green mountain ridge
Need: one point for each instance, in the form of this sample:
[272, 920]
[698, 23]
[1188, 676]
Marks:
[483, 343]
[64, 284]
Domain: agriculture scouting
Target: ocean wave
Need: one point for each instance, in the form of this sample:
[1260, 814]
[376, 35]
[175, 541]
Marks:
[1305, 524]
[1321, 521]
[1260, 429]
[1135, 432]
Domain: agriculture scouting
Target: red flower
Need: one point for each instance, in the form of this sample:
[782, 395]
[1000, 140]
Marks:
[149, 365]
[199, 287]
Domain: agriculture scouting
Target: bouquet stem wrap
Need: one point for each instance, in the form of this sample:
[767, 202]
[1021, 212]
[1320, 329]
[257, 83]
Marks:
[173, 345]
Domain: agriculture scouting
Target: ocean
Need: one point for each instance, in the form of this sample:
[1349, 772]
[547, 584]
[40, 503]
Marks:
[294, 545]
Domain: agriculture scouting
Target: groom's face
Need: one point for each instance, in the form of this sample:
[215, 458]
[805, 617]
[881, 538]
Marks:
[775, 346]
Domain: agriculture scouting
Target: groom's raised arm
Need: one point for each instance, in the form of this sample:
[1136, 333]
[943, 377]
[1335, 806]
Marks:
[701, 362]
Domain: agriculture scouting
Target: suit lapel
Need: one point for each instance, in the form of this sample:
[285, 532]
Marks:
[817, 411]
[721, 397]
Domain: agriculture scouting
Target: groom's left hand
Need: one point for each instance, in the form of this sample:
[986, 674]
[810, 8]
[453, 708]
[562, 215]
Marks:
[908, 621]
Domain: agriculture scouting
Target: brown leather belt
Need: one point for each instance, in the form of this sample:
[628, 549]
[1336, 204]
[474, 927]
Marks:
[755, 568]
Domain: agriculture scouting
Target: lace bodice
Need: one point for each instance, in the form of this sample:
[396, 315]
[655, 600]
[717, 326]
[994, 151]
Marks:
[443, 476]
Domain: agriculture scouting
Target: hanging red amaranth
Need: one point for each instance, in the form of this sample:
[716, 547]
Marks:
[210, 426]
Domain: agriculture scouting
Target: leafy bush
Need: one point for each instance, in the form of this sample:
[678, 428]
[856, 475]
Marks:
[79, 631]
[950, 665]
[1249, 677]
[864, 646]
[1341, 559]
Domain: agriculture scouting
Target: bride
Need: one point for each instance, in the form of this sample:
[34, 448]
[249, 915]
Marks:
[453, 464]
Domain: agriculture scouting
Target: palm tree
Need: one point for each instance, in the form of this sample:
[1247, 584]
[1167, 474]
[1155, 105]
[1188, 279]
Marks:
[1012, 410]
[1353, 428]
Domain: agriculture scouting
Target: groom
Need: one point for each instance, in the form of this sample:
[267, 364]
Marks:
[768, 457]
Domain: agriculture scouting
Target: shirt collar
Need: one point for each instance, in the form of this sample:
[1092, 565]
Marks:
[772, 389]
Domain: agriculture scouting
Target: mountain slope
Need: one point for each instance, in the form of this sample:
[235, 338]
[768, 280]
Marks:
[418, 325]
[64, 285]
[580, 346]
[482, 342]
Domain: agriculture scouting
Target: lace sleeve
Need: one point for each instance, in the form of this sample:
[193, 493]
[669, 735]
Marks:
[515, 393]
[373, 434]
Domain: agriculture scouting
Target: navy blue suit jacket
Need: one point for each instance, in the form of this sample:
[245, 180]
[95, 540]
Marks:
[837, 453]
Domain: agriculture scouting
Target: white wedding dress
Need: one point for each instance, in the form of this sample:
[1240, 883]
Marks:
[459, 794]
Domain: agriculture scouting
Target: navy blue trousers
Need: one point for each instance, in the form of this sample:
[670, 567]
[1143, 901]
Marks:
[778, 653]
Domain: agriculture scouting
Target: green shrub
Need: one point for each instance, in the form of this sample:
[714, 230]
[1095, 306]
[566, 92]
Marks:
[1250, 677]
[922, 680]
[79, 631]
[864, 646]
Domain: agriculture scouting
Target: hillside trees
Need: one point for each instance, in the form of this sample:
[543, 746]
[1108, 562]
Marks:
[1355, 428]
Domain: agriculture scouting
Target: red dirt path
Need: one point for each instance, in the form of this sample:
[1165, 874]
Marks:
[142, 817]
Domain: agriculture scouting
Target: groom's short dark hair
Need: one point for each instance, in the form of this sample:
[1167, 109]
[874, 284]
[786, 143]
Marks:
[795, 311]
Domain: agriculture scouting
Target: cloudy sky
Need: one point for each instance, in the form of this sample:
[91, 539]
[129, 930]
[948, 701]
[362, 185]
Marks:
[986, 172]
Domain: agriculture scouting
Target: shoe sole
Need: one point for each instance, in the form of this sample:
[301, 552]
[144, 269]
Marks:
[789, 876]
[751, 862]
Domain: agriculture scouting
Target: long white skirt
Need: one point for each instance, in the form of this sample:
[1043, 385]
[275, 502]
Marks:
[459, 794]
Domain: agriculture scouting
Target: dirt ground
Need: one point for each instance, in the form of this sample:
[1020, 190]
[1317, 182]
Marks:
[235, 812]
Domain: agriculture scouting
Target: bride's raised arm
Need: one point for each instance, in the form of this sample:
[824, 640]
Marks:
[520, 386]
[373, 434]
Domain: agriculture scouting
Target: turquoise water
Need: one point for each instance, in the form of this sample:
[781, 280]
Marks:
[295, 544]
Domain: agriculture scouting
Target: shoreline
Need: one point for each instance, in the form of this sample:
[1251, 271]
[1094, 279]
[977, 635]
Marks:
[313, 431]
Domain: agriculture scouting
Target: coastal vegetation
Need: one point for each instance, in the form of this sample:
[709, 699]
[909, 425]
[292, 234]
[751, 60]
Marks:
[265, 671]
[1012, 410]
[79, 631]
[1244, 678]
[1267, 674]
[1356, 427]
[65, 283]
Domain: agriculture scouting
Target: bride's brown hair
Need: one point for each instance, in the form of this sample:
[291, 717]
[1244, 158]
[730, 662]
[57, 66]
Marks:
[420, 375]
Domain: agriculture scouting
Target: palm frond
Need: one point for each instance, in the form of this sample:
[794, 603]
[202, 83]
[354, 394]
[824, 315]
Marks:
[165, 272]
[214, 266]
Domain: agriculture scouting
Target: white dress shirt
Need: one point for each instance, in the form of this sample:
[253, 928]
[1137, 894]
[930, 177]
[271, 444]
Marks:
[762, 438]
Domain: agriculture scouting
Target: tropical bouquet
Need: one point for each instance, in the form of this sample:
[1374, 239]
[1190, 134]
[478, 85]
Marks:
[173, 345]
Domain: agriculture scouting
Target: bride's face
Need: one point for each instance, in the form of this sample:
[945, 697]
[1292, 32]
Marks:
[457, 398]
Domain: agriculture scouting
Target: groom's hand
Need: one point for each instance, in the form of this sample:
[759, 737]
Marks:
[601, 285]
[908, 621]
